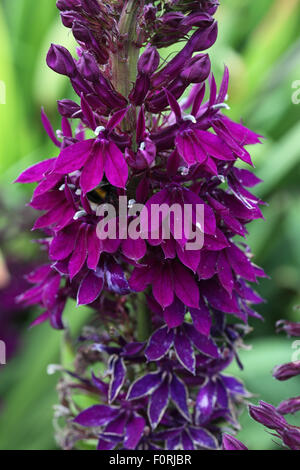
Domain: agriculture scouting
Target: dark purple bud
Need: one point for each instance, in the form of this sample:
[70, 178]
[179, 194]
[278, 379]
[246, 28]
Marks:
[83, 34]
[150, 13]
[140, 90]
[291, 328]
[267, 415]
[202, 40]
[68, 4]
[287, 371]
[108, 96]
[199, 19]
[80, 85]
[149, 61]
[91, 7]
[291, 437]
[60, 60]
[68, 108]
[290, 406]
[231, 443]
[197, 69]
[88, 67]
[68, 18]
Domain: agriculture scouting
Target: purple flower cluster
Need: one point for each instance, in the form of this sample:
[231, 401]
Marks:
[166, 407]
[154, 131]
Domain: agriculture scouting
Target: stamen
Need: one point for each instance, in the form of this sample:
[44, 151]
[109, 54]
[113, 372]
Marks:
[98, 130]
[189, 117]
[79, 214]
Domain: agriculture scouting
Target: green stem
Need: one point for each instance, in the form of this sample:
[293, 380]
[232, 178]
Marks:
[143, 318]
[124, 62]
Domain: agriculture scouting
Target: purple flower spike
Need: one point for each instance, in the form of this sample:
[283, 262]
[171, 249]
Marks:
[143, 146]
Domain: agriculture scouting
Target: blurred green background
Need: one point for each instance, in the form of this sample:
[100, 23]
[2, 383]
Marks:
[260, 43]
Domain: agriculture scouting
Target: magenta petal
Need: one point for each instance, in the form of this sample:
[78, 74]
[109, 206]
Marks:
[224, 273]
[92, 172]
[36, 172]
[93, 248]
[72, 158]
[174, 314]
[96, 415]
[79, 255]
[116, 168]
[89, 289]
[63, 243]
[40, 319]
[185, 286]
[140, 278]
[218, 297]
[190, 258]
[49, 129]
[162, 286]
[240, 263]
[134, 249]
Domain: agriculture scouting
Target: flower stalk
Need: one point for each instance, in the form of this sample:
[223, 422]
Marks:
[155, 131]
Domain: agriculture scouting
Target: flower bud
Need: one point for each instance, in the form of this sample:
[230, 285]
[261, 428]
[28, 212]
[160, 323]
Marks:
[60, 60]
[197, 69]
[88, 67]
[63, 5]
[290, 406]
[68, 108]
[291, 328]
[291, 437]
[91, 7]
[267, 415]
[287, 371]
[231, 443]
[149, 61]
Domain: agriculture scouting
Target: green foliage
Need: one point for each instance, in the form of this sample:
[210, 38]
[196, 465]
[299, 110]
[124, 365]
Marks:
[259, 42]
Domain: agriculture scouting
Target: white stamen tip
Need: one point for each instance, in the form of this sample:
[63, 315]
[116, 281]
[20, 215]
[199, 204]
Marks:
[59, 134]
[99, 129]
[79, 214]
[78, 192]
[220, 106]
[184, 171]
[62, 187]
[191, 118]
[131, 203]
[142, 146]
